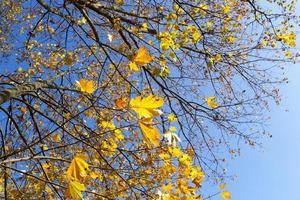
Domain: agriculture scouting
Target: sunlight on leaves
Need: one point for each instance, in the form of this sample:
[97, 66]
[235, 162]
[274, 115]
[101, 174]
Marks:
[141, 58]
[148, 106]
[87, 86]
[75, 190]
[149, 131]
[211, 102]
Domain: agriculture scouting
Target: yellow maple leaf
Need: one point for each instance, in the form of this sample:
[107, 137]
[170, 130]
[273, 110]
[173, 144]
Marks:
[94, 175]
[222, 186]
[225, 9]
[78, 168]
[144, 26]
[111, 126]
[46, 167]
[211, 103]
[173, 129]
[148, 106]
[226, 195]
[174, 152]
[20, 69]
[172, 117]
[150, 132]
[119, 2]
[133, 66]
[185, 160]
[167, 188]
[108, 125]
[140, 58]
[86, 86]
[82, 21]
[75, 190]
[198, 175]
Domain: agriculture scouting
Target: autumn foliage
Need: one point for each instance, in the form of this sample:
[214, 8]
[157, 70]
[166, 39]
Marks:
[134, 99]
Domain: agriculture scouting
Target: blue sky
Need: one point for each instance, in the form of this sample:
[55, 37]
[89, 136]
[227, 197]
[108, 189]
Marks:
[272, 173]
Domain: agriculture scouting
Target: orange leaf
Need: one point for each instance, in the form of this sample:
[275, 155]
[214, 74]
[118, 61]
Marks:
[56, 137]
[142, 56]
[121, 102]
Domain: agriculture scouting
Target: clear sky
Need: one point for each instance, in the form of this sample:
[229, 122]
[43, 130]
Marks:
[273, 173]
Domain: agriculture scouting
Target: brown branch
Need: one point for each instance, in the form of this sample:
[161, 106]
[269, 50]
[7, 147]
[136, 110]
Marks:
[19, 90]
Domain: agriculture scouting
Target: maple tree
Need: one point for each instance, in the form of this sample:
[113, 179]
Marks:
[134, 99]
